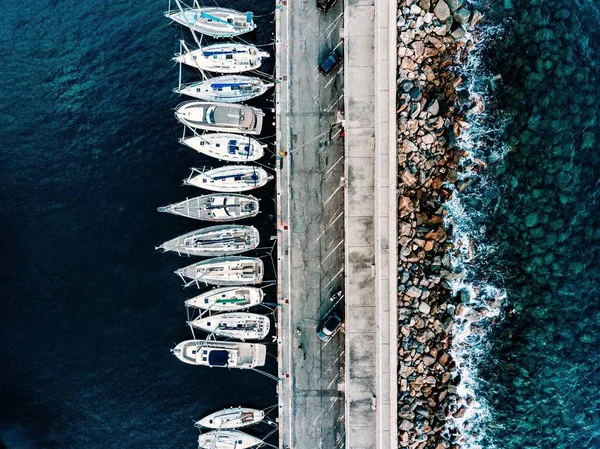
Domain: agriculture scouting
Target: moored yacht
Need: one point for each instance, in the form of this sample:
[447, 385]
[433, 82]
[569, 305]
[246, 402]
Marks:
[217, 207]
[223, 58]
[225, 146]
[229, 178]
[221, 354]
[221, 240]
[232, 270]
[212, 21]
[227, 439]
[232, 418]
[227, 299]
[225, 89]
[236, 325]
[222, 117]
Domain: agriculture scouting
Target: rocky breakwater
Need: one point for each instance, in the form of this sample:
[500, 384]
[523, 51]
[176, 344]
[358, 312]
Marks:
[433, 38]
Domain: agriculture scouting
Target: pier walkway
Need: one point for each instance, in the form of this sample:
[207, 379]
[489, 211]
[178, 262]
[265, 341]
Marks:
[310, 226]
[337, 219]
[370, 221]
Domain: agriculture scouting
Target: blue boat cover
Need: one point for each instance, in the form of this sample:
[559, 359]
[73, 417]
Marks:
[232, 85]
[222, 52]
[218, 358]
[207, 16]
[249, 17]
[232, 146]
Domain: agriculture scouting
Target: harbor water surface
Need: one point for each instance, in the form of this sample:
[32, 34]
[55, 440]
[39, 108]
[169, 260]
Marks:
[90, 311]
[533, 217]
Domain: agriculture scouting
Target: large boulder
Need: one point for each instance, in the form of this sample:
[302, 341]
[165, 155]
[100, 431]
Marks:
[441, 10]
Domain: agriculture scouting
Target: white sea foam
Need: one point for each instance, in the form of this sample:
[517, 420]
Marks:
[480, 301]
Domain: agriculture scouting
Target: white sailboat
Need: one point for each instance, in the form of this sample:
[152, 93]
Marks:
[226, 88]
[227, 439]
[221, 240]
[222, 58]
[227, 299]
[232, 270]
[236, 325]
[221, 354]
[222, 117]
[229, 178]
[225, 146]
[212, 21]
[217, 207]
[232, 418]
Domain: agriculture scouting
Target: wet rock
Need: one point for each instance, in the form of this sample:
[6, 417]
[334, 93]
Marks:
[415, 93]
[433, 107]
[424, 308]
[462, 16]
[414, 292]
[409, 147]
[453, 5]
[458, 33]
[408, 178]
[428, 360]
[406, 425]
[405, 206]
[414, 9]
[531, 220]
[441, 10]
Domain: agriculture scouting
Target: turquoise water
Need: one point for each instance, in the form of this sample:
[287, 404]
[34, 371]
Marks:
[534, 216]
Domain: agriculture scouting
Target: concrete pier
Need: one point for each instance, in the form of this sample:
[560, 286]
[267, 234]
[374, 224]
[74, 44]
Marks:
[336, 225]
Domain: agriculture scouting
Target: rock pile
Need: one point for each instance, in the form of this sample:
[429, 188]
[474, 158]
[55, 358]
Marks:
[431, 40]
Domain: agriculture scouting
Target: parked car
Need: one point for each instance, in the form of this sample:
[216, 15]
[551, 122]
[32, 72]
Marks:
[330, 325]
[325, 5]
[331, 61]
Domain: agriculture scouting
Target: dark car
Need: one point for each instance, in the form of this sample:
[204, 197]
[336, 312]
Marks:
[329, 327]
[329, 63]
[325, 5]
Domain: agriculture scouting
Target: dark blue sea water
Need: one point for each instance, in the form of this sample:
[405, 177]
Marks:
[89, 311]
[533, 219]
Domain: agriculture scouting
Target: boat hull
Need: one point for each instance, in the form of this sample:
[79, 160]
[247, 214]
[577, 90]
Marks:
[226, 147]
[222, 117]
[213, 21]
[233, 270]
[216, 207]
[221, 354]
[230, 178]
[232, 418]
[227, 299]
[236, 325]
[224, 58]
[221, 240]
[227, 439]
[226, 89]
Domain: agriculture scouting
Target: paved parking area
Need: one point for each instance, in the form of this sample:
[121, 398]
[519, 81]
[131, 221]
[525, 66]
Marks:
[310, 227]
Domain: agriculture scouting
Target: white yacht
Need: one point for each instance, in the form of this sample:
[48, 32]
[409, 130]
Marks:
[222, 117]
[229, 178]
[226, 88]
[232, 418]
[232, 270]
[222, 354]
[227, 299]
[213, 20]
[236, 325]
[225, 146]
[223, 58]
[227, 439]
[221, 240]
[217, 207]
